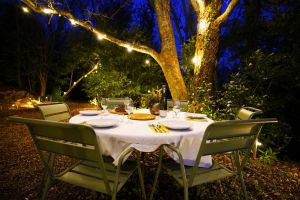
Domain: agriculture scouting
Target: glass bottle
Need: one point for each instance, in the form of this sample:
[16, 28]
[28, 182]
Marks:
[163, 102]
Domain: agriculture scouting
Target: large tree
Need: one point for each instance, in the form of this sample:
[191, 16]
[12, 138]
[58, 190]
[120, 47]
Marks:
[209, 20]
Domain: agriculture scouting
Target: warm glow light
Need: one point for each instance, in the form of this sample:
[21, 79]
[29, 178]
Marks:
[96, 67]
[196, 60]
[47, 11]
[147, 62]
[202, 25]
[59, 15]
[100, 36]
[25, 9]
[85, 76]
[65, 93]
[129, 48]
[73, 22]
[258, 143]
[74, 83]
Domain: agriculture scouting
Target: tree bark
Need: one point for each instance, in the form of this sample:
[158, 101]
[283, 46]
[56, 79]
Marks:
[208, 39]
[43, 76]
[167, 58]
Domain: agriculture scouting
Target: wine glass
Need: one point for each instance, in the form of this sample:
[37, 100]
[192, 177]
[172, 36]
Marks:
[104, 103]
[127, 101]
[176, 108]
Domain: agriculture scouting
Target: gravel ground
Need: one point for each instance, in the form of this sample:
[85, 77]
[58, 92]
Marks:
[21, 172]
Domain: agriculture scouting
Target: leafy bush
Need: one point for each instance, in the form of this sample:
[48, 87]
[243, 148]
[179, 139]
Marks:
[109, 84]
[267, 156]
[147, 100]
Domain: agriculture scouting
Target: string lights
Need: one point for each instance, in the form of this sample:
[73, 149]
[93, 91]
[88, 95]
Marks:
[202, 25]
[129, 48]
[25, 9]
[196, 60]
[101, 36]
[73, 22]
[48, 11]
[147, 62]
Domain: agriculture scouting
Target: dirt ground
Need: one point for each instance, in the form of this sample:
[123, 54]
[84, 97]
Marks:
[21, 173]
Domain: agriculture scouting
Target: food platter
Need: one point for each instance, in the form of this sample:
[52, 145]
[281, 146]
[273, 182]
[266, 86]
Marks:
[141, 116]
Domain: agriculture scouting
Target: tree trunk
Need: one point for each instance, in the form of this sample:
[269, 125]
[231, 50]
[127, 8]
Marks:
[168, 59]
[207, 45]
[43, 76]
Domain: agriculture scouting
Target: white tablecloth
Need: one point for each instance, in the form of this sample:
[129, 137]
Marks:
[137, 133]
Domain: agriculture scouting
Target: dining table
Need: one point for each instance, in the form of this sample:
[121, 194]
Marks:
[116, 132]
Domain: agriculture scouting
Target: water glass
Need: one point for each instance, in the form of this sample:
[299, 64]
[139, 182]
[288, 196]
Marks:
[104, 104]
[176, 108]
[127, 101]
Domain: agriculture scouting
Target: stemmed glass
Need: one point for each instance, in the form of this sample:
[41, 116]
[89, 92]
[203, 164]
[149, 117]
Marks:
[104, 103]
[176, 108]
[127, 106]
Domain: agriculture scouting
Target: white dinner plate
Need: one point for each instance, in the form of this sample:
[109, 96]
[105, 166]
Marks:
[175, 124]
[195, 115]
[89, 112]
[102, 123]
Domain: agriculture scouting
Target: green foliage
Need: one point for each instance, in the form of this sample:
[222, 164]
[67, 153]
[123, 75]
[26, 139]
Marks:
[57, 95]
[188, 50]
[268, 156]
[147, 100]
[109, 84]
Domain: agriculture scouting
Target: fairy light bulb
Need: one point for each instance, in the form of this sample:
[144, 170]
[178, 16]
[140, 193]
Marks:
[100, 36]
[129, 49]
[196, 60]
[73, 22]
[47, 11]
[25, 9]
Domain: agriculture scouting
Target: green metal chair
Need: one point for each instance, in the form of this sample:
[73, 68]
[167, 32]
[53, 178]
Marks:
[94, 171]
[55, 111]
[58, 111]
[183, 105]
[219, 137]
[248, 113]
[115, 102]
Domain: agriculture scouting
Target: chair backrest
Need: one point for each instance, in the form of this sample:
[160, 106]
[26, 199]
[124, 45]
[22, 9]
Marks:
[114, 102]
[248, 113]
[74, 140]
[183, 104]
[55, 111]
[231, 136]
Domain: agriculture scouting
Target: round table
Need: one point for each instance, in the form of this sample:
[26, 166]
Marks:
[137, 133]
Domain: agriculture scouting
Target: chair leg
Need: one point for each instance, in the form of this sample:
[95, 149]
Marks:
[157, 173]
[141, 176]
[240, 174]
[46, 187]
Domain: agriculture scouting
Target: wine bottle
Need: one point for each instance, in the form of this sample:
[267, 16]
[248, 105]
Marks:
[163, 102]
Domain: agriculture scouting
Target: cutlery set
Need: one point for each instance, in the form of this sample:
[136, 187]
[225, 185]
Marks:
[158, 128]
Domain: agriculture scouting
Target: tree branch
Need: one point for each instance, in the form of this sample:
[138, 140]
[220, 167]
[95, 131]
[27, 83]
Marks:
[83, 76]
[227, 12]
[134, 46]
[198, 5]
